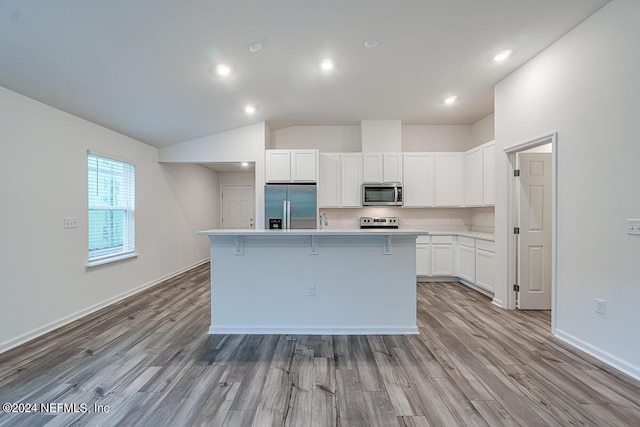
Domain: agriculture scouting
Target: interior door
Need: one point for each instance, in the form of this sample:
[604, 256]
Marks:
[237, 206]
[534, 241]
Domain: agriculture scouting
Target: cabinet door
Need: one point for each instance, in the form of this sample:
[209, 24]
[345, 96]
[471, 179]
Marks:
[418, 177]
[423, 259]
[372, 167]
[467, 263]
[351, 188]
[442, 260]
[447, 179]
[278, 165]
[489, 174]
[392, 167]
[329, 185]
[304, 165]
[472, 173]
[485, 273]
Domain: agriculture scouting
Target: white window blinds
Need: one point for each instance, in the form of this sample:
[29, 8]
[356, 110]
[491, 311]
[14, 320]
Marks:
[112, 229]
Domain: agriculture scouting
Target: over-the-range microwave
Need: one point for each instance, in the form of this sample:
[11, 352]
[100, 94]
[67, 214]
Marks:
[382, 194]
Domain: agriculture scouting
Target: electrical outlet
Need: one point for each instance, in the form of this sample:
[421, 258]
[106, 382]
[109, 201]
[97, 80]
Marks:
[311, 290]
[71, 222]
[600, 307]
[633, 226]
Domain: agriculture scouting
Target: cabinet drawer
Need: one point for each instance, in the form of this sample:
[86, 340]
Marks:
[423, 239]
[486, 245]
[442, 239]
[467, 241]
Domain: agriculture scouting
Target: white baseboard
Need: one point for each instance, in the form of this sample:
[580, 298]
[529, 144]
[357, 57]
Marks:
[14, 342]
[429, 279]
[293, 330]
[604, 356]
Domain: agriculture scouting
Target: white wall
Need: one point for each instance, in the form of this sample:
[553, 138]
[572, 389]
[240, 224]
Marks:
[245, 144]
[328, 139]
[585, 87]
[483, 130]
[338, 139]
[236, 178]
[43, 166]
[436, 138]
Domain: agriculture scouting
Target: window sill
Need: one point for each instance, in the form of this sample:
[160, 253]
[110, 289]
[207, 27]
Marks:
[110, 260]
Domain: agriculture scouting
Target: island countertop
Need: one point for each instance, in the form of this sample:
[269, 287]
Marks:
[314, 232]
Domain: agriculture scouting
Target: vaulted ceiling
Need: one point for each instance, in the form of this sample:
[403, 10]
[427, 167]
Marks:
[147, 68]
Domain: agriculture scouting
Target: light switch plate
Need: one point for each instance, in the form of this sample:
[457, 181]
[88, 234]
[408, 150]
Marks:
[633, 226]
[71, 222]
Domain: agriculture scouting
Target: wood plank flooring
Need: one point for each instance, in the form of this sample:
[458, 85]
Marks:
[149, 360]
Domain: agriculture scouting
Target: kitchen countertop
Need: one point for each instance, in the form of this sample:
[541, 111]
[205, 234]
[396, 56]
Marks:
[471, 234]
[314, 232]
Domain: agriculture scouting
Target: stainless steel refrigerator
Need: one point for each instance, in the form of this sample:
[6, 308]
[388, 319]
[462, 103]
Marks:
[290, 206]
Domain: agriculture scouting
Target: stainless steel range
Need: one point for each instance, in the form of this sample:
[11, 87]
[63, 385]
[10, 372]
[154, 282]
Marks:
[379, 222]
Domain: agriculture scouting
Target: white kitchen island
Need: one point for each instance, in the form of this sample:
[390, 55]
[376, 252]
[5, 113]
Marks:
[321, 282]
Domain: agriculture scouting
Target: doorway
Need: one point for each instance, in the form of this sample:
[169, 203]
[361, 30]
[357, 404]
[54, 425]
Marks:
[237, 203]
[533, 212]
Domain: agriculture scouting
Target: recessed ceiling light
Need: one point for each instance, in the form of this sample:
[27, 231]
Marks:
[370, 44]
[250, 109]
[255, 47]
[223, 69]
[450, 99]
[502, 56]
[245, 164]
[327, 64]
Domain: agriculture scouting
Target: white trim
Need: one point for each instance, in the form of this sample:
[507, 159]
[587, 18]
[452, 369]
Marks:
[102, 262]
[329, 330]
[604, 356]
[14, 342]
[91, 152]
[511, 152]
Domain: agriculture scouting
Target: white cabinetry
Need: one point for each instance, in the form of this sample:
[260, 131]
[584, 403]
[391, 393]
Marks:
[467, 259]
[489, 173]
[485, 266]
[340, 180]
[418, 180]
[330, 181]
[291, 165]
[447, 179]
[351, 186]
[382, 167]
[442, 255]
[434, 256]
[472, 172]
[423, 256]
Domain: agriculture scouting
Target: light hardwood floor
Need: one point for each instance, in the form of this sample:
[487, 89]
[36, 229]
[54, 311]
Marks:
[150, 361]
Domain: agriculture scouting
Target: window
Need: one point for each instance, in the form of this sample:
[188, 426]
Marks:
[111, 208]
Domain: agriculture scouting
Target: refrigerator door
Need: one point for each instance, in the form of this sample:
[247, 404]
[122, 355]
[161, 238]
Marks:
[303, 211]
[275, 197]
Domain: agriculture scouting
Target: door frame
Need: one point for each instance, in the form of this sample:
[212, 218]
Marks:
[512, 214]
[253, 187]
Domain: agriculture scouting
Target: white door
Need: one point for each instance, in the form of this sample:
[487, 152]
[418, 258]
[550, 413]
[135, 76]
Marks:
[237, 206]
[534, 241]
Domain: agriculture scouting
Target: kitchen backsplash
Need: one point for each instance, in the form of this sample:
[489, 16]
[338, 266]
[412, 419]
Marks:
[437, 219]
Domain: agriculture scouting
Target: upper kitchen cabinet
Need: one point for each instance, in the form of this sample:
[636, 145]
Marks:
[382, 167]
[479, 176]
[472, 173]
[340, 180]
[489, 173]
[447, 179]
[291, 165]
[418, 180]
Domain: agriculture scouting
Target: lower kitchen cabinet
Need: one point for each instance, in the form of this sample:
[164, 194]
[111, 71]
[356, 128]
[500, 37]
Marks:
[442, 255]
[467, 259]
[470, 260]
[434, 256]
[485, 266]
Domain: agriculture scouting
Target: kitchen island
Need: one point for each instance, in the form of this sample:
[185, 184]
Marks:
[320, 282]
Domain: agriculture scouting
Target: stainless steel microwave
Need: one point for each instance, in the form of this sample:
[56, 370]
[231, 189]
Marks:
[382, 194]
